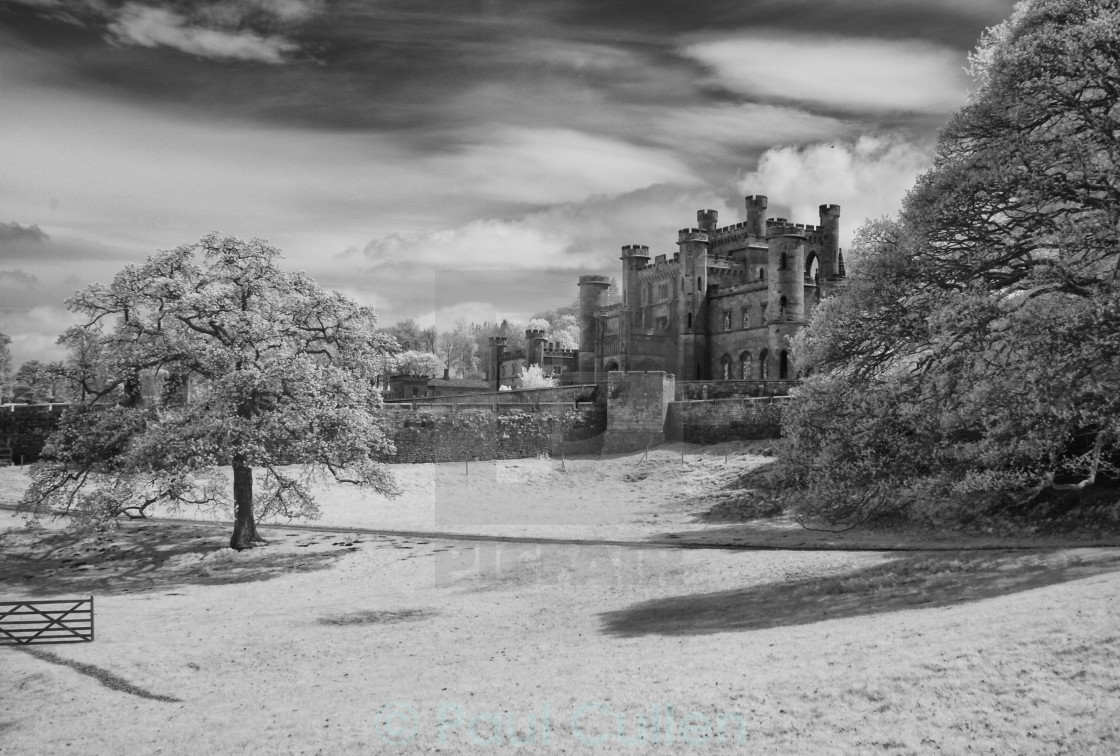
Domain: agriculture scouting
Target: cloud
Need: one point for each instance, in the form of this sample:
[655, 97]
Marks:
[868, 178]
[545, 165]
[845, 74]
[13, 232]
[17, 279]
[716, 128]
[147, 26]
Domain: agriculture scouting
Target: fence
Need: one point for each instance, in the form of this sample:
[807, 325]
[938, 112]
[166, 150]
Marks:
[70, 622]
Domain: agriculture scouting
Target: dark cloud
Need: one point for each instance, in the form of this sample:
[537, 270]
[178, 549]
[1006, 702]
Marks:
[416, 67]
[13, 232]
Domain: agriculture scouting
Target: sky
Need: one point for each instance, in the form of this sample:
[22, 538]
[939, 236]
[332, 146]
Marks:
[446, 159]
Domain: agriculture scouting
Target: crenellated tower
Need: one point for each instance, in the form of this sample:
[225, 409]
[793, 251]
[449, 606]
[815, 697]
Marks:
[692, 344]
[591, 289]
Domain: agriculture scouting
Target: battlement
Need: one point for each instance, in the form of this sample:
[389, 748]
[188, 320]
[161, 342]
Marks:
[554, 351]
[534, 333]
[635, 250]
[691, 235]
[594, 280]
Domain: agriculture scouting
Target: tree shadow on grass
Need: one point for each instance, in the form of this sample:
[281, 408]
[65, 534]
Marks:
[141, 556]
[920, 581]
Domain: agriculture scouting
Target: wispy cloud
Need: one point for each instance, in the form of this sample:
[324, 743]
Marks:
[545, 165]
[153, 27]
[844, 74]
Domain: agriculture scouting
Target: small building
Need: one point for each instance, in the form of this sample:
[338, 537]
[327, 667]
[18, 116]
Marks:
[404, 387]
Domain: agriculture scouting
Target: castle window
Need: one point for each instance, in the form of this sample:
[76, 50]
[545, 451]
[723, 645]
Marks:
[783, 262]
[762, 313]
[812, 269]
[699, 283]
[764, 365]
[783, 365]
[727, 322]
[690, 320]
[725, 364]
[746, 317]
[745, 366]
[783, 309]
[762, 274]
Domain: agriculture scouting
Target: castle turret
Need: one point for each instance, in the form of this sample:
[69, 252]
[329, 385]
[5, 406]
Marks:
[494, 366]
[534, 347]
[830, 242]
[707, 220]
[591, 290]
[635, 257]
[785, 305]
[692, 344]
[756, 215]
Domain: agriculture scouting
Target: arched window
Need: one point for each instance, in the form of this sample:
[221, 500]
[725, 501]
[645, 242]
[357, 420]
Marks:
[812, 269]
[745, 366]
[727, 320]
[610, 367]
[690, 320]
[725, 363]
[762, 274]
[783, 366]
[764, 365]
[783, 308]
[699, 283]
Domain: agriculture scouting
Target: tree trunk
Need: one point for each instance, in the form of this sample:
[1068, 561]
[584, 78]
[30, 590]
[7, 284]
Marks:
[244, 525]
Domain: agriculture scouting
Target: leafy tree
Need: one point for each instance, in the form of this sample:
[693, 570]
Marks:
[417, 363]
[458, 349]
[5, 368]
[411, 337]
[37, 382]
[976, 347]
[281, 371]
[534, 376]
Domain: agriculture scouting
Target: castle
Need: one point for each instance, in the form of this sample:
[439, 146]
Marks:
[723, 307]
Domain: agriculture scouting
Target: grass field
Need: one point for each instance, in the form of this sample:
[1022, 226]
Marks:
[337, 642]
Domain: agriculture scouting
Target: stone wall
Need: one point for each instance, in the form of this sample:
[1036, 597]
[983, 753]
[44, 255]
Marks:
[555, 395]
[637, 404]
[25, 428]
[716, 420]
[464, 435]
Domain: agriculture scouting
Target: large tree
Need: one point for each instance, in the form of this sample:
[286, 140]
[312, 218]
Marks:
[224, 361]
[5, 368]
[976, 347]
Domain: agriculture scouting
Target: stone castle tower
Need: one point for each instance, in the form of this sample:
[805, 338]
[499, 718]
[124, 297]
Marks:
[723, 307]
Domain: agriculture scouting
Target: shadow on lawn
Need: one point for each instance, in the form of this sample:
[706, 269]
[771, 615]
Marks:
[920, 581]
[139, 556]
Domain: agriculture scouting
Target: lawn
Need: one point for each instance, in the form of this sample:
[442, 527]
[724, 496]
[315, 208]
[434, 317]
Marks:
[343, 642]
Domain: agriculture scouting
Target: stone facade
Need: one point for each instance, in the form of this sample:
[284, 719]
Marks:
[723, 307]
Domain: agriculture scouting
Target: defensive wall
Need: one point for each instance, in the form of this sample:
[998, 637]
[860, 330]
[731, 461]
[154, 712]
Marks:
[630, 412]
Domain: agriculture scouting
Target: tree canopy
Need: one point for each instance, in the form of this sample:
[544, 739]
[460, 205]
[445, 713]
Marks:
[210, 357]
[976, 345]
